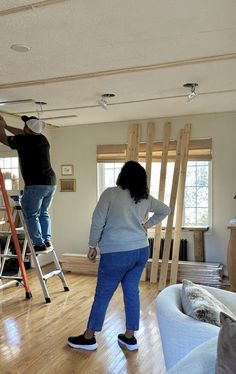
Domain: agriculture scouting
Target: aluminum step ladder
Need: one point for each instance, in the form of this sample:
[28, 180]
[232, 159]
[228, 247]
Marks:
[43, 278]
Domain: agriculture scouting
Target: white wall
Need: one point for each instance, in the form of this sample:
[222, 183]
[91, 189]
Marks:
[71, 212]
[77, 145]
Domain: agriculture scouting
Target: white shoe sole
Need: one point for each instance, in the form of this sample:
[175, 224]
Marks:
[132, 347]
[90, 347]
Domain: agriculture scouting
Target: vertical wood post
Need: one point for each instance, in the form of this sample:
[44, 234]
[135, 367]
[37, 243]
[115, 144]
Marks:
[161, 195]
[168, 236]
[133, 143]
[149, 146]
[180, 204]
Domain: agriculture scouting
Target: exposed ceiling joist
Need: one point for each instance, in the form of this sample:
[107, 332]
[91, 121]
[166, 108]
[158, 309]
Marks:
[134, 69]
[31, 6]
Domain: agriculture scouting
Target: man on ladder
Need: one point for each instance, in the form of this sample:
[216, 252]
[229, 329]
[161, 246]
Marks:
[38, 175]
[40, 186]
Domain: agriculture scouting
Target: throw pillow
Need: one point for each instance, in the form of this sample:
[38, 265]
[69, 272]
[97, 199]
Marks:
[200, 304]
[226, 347]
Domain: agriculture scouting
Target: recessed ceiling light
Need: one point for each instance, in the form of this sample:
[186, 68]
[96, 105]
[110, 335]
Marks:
[20, 48]
[106, 95]
[40, 103]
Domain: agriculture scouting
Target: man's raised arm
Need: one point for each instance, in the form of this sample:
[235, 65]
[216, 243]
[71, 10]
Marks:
[13, 130]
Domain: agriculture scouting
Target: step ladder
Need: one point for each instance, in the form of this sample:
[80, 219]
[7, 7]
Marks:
[21, 277]
[43, 278]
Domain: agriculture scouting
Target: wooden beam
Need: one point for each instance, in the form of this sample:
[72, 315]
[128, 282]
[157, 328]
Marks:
[161, 195]
[150, 137]
[168, 236]
[129, 70]
[180, 204]
[149, 146]
[133, 143]
[26, 7]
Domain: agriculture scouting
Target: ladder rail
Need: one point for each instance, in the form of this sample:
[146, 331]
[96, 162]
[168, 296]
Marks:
[42, 277]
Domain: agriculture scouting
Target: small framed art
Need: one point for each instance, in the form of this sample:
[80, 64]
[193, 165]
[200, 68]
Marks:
[67, 185]
[67, 170]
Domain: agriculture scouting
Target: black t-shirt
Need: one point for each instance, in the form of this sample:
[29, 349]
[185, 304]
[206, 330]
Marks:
[34, 158]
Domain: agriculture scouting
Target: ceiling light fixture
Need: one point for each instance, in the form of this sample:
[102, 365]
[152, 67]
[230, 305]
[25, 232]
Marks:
[39, 109]
[103, 101]
[20, 48]
[193, 93]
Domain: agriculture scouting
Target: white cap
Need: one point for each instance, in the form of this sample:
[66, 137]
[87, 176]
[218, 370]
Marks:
[35, 125]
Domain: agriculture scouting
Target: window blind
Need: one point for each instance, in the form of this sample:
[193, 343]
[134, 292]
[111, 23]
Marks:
[199, 150]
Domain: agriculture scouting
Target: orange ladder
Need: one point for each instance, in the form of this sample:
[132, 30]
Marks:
[21, 278]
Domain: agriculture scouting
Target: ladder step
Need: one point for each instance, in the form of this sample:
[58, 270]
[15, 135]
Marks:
[7, 256]
[11, 277]
[43, 252]
[51, 274]
[19, 230]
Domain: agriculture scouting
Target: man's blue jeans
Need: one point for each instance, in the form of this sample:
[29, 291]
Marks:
[114, 268]
[35, 203]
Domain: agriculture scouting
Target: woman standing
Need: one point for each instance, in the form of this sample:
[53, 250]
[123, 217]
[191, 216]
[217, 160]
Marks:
[119, 228]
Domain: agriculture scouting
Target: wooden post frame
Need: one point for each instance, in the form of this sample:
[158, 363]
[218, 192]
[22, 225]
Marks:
[168, 235]
[161, 195]
[150, 136]
[133, 143]
[180, 204]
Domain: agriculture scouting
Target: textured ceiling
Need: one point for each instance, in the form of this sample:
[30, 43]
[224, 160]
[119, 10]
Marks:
[143, 52]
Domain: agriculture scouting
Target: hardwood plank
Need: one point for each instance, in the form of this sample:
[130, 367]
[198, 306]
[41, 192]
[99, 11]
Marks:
[34, 334]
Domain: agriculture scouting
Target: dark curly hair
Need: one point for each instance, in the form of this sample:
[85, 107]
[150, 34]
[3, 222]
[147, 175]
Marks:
[134, 178]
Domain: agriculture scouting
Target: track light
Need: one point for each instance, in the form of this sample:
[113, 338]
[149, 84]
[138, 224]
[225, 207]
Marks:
[103, 102]
[193, 93]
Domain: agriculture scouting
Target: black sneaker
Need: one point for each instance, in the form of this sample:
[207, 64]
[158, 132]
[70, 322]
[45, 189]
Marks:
[129, 343]
[48, 245]
[81, 342]
[40, 248]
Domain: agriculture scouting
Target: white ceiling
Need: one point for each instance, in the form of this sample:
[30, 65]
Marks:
[142, 51]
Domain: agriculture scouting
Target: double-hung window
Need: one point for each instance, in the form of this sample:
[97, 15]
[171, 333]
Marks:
[10, 171]
[197, 200]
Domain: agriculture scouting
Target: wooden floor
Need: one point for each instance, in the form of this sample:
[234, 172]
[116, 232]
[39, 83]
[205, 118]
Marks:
[33, 334]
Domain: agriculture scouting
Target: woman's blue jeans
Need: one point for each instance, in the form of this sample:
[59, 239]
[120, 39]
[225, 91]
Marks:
[114, 268]
[35, 203]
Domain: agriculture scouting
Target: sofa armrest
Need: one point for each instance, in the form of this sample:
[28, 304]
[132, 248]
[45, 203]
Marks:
[226, 297]
[180, 333]
[201, 360]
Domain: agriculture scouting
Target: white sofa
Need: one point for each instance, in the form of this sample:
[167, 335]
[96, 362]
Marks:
[189, 346]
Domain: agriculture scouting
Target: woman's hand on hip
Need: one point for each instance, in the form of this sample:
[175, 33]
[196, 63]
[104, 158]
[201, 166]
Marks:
[145, 227]
[92, 254]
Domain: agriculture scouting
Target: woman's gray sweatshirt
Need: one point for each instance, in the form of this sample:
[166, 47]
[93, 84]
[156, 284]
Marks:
[117, 221]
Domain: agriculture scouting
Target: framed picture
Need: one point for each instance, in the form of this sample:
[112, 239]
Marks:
[67, 170]
[67, 185]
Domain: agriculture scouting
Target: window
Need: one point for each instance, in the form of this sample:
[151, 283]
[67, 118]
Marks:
[197, 194]
[10, 171]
